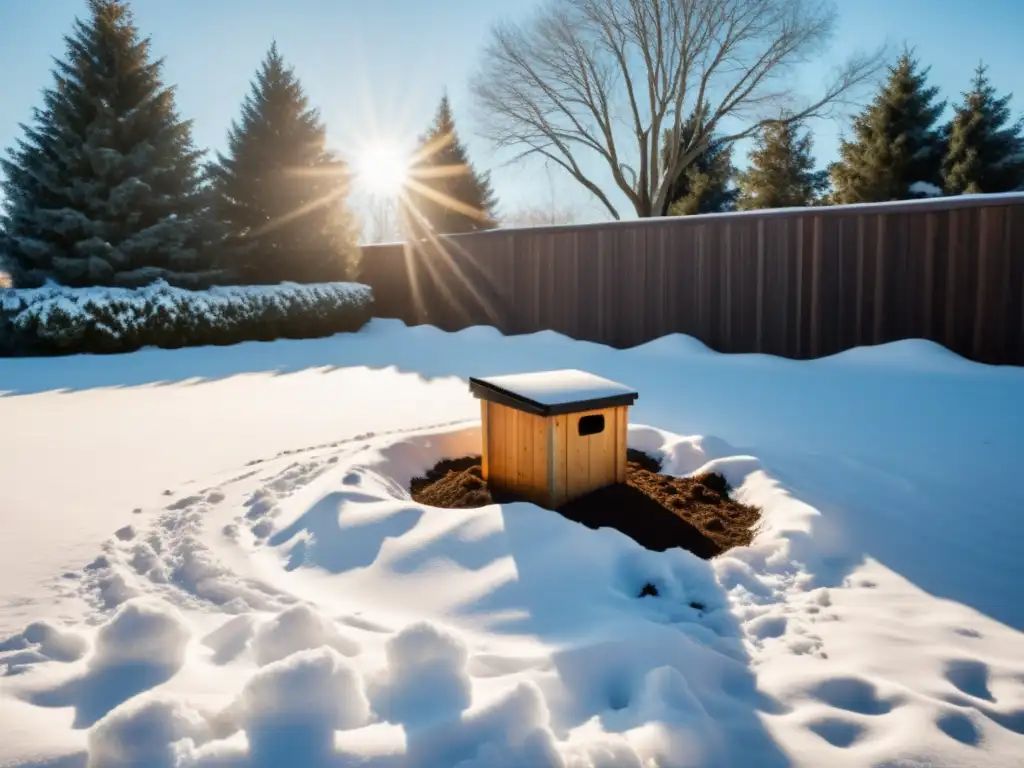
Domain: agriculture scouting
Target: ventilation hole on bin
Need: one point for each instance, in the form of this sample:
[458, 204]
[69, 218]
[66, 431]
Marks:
[591, 425]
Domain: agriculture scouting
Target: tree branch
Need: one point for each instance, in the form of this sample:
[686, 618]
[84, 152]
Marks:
[558, 85]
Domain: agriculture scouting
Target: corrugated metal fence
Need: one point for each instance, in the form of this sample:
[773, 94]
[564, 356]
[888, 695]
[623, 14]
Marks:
[796, 283]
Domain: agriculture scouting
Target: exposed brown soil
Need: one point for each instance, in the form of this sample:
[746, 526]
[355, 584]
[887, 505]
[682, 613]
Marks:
[657, 511]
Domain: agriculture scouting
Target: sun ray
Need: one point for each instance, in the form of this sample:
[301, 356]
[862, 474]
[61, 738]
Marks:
[299, 212]
[446, 200]
[440, 249]
[431, 148]
[439, 171]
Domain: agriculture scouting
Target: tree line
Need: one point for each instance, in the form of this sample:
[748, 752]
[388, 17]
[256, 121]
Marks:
[899, 149]
[106, 187]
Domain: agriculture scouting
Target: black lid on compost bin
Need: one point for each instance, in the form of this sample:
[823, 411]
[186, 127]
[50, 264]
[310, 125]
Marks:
[551, 393]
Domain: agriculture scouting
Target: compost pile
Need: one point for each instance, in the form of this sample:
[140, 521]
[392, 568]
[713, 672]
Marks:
[658, 511]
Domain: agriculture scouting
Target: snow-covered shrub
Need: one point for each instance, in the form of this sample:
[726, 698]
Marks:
[56, 319]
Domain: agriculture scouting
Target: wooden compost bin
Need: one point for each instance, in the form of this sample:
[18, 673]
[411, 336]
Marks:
[553, 436]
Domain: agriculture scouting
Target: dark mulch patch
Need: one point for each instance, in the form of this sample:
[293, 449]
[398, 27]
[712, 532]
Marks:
[439, 470]
[657, 511]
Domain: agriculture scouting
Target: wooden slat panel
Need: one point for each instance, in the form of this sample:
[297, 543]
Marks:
[511, 446]
[621, 437]
[524, 452]
[539, 459]
[601, 469]
[560, 460]
[577, 459]
[505, 423]
[485, 446]
[495, 441]
[591, 459]
[531, 457]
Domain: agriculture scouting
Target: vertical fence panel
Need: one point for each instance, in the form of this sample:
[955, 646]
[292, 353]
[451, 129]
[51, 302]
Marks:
[590, 299]
[846, 284]
[777, 295]
[1015, 311]
[681, 276]
[743, 282]
[654, 308]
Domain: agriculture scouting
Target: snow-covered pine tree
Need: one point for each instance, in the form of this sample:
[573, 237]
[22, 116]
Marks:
[104, 186]
[279, 193]
[986, 150]
[445, 191]
[781, 172]
[706, 184]
[896, 151]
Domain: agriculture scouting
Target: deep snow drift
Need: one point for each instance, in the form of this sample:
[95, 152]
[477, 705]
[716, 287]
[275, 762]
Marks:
[229, 572]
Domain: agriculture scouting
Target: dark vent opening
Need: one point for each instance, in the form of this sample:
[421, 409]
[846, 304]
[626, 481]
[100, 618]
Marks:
[591, 425]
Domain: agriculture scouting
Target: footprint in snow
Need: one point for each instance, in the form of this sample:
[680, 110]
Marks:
[836, 731]
[852, 694]
[969, 677]
[959, 727]
[183, 503]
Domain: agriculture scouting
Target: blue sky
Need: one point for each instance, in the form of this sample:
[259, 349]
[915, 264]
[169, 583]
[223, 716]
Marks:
[381, 66]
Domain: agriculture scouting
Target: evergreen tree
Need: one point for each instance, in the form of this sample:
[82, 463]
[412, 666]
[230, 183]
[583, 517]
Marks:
[104, 187]
[781, 172]
[986, 150]
[445, 191]
[280, 194]
[706, 184]
[896, 152]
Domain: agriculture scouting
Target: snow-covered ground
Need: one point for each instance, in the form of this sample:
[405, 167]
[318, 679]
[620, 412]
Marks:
[208, 558]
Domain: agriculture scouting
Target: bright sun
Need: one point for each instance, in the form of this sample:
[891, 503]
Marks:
[382, 168]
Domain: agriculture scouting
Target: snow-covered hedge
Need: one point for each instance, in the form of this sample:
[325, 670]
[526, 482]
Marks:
[59, 320]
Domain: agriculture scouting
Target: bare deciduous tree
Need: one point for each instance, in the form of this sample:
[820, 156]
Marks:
[540, 216]
[617, 78]
[383, 221]
[548, 213]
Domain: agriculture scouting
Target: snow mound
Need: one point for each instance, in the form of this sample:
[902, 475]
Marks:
[426, 677]
[41, 641]
[291, 708]
[144, 633]
[298, 629]
[918, 354]
[510, 732]
[142, 646]
[154, 731]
